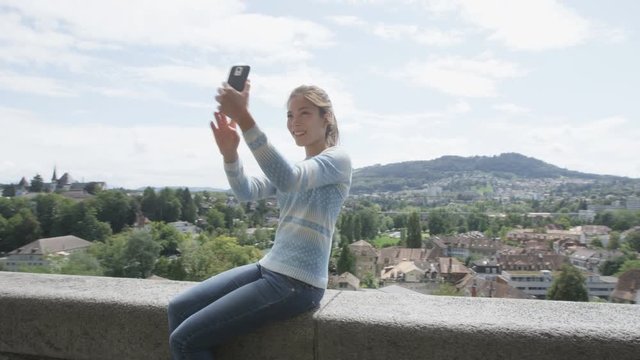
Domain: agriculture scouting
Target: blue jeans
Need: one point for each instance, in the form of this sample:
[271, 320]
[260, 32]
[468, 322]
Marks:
[233, 303]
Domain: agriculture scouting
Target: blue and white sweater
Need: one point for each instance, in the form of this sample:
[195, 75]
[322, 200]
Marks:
[310, 195]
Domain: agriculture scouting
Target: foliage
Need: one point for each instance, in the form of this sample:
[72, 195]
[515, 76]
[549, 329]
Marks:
[414, 231]
[382, 241]
[610, 267]
[37, 184]
[446, 289]
[346, 261]
[128, 254]
[628, 265]
[9, 190]
[369, 281]
[569, 285]
[633, 239]
[206, 256]
[115, 208]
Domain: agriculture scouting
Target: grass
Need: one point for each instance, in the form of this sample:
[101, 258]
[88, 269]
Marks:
[384, 241]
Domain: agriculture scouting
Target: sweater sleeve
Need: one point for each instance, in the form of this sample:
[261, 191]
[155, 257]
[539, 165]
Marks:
[332, 166]
[247, 188]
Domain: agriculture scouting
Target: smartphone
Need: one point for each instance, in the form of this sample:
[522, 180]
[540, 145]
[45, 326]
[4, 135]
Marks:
[238, 76]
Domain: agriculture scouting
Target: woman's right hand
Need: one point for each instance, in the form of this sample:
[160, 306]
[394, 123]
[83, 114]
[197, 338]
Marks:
[226, 135]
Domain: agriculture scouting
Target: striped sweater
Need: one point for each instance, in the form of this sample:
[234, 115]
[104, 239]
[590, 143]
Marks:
[310, 195]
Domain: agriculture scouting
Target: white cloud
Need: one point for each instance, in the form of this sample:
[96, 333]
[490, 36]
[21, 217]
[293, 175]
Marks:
[418, 34]
[34, 85]
[198, 24]
[469, 77]
[511, 108]
[528, 24]
[348, 20]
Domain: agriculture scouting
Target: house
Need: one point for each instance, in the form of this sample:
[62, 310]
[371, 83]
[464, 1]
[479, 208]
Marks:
[476, 286]
[486, 268]
[590, 259]
[36, 252]
[391, 256]
[185, 227]
[344, 281]
[404, 271]
[537, 283]
[550, 235]
[531, 261]
[463, 245]
[626, 290]
[451, 269]
[594, 232]
[366, 258]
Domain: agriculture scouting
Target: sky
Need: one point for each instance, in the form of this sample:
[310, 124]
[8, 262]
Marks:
[123, 91]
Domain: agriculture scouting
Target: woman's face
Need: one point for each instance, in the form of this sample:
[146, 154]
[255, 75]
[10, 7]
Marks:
[306, 125]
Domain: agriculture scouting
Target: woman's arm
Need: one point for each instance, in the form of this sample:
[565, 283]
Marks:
[332, 166]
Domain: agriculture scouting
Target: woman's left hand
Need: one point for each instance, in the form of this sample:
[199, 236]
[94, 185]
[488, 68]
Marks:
[232, 103]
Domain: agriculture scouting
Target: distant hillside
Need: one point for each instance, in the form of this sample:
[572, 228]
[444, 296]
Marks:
[415, 174]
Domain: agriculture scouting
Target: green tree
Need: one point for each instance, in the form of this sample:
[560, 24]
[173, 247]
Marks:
[437, 221]
[81, 263]
[369, 281]
[168, 237]
[37, 185]
[9, 190]
[206, 256]
[128, 254]
[414, 231]
[629, 264]
[357, 228]
[610, 267]
[48, 207]
[170, 206]
[188, 206]
[115, 208]
[614, 240]
[149, 204]
[170, 268]
[569, 285]
[215, 218]
[346, 261]
[22, 228]
[633, 239]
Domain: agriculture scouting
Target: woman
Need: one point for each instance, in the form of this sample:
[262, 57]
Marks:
[292, 277]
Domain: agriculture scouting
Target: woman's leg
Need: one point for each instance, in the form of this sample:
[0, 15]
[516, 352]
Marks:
[197, 297]
[271, 298]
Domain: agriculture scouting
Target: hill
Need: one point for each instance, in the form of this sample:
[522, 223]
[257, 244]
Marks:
[417, 174]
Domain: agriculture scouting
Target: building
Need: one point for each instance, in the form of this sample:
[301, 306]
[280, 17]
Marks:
[36, 252]
[594, 232]
[626, 290]
[451, 269]
[185, 227]
[345, 281]
[463, 245]
[476, 286]
[531, 261]
[404, 271]
[486, 268]
[537, 283]
[524, 235]
[366, 258]
[591, 259]
[391, 256]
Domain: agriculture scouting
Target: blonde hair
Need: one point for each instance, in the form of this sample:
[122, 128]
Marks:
[319, 98]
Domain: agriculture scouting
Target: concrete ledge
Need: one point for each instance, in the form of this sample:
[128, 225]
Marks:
[77, 317]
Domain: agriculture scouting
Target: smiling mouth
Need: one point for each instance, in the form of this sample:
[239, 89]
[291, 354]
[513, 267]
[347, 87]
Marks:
[298, 133]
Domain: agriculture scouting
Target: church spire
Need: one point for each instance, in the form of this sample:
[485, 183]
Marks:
[54, 178]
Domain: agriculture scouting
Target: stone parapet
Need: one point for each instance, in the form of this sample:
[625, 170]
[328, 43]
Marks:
[82, 317]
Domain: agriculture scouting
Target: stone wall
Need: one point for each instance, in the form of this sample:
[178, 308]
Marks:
[82, 317]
